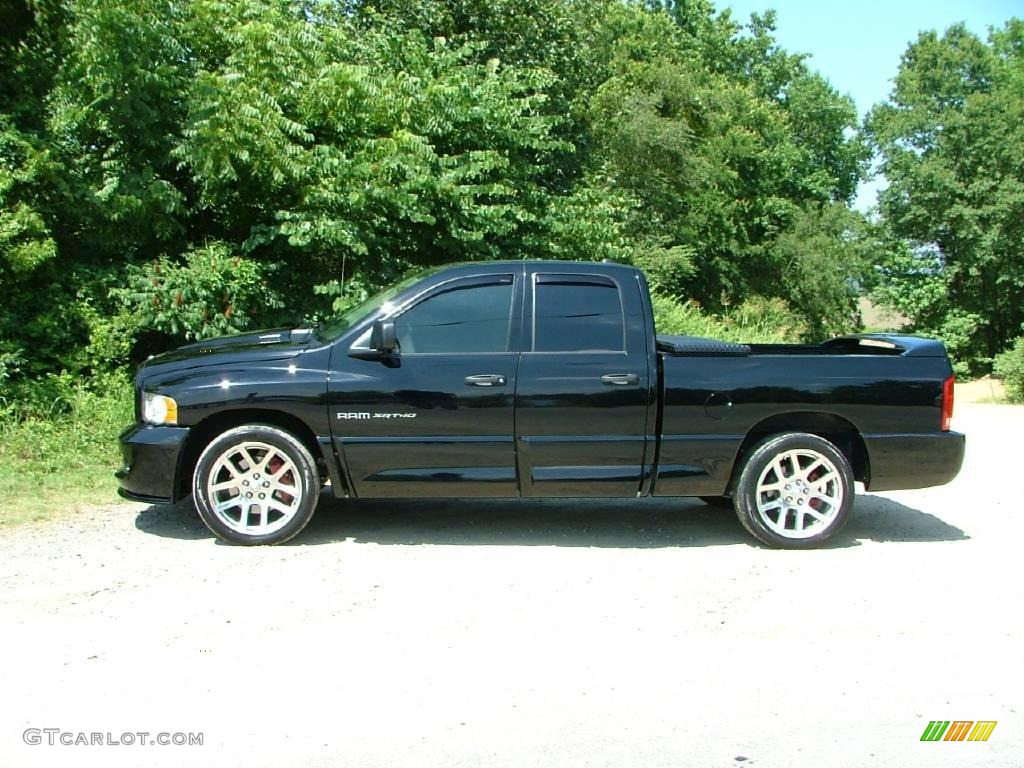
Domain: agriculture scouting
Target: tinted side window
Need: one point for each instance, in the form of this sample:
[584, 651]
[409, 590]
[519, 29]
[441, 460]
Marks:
[469, 319]
[577, 317]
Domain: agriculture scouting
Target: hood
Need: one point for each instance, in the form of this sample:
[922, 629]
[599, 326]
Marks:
[271, 344]
[254, 338]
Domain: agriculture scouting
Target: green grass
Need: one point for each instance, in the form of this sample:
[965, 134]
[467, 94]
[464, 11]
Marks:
[58, 446]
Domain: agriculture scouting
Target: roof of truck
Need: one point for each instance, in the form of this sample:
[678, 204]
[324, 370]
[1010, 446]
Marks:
[531, 264]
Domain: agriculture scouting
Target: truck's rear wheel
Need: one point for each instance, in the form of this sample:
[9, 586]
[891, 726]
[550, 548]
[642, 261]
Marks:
[255, 484]
[794, 491]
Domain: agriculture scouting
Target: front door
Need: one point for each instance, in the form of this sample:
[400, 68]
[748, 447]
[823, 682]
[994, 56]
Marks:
[585, 390]
[437, 418]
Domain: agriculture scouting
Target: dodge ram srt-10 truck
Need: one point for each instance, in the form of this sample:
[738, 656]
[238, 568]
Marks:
[537, 379]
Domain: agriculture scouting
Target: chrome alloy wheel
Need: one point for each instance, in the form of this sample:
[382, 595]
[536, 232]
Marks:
[254, 488]
[799, 493]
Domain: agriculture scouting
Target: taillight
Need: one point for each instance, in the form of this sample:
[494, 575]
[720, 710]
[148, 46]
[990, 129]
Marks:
[947, 403]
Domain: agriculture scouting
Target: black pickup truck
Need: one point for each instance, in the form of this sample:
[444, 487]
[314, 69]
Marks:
[538, 379]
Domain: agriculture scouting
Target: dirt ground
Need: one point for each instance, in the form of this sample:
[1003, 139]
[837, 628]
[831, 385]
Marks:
[986, 390]
[626, 633]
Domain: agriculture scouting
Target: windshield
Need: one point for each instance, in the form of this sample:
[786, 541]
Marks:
[331, 329]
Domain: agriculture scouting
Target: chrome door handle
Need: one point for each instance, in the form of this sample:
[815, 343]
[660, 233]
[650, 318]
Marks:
[621, 379]
[485, 380]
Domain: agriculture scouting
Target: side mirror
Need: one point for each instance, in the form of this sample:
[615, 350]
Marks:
[382, 337]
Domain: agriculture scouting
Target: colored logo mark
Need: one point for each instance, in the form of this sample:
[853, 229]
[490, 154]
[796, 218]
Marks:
[958, 730]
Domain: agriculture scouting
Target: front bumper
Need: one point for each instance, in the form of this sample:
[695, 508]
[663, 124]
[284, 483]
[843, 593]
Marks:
[150, 463]
[899, 462]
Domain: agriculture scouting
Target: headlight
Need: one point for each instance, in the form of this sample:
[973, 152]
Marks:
[159, 409]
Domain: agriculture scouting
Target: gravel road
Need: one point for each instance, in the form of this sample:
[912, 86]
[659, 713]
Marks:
[527, 634]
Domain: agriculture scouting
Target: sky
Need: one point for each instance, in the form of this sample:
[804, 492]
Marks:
[857, 45]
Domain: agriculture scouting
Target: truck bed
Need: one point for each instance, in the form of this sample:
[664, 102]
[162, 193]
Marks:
[856, 344]
[879, 396]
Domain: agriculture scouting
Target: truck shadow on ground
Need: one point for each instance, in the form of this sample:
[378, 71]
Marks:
[615, 523]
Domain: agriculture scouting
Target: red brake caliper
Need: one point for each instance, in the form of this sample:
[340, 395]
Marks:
[814, 504]
[273, 466]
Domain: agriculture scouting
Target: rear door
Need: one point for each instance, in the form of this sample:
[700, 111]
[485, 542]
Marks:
[585, 391]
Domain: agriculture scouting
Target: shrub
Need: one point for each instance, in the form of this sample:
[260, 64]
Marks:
[756, 320]
[959, 332]
[212, 293]
[760, 319]
[673, 317]
[1010, 368]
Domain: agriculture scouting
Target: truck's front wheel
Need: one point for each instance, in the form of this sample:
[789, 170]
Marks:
[255, 484]
[794, 491]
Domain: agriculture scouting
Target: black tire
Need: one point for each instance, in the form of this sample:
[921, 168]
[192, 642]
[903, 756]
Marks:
[718, 502]
[262, 473]
[811, 508]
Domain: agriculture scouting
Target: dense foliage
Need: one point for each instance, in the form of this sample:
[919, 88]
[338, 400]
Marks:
[1010, 368]
[950, 140]
[172, 170]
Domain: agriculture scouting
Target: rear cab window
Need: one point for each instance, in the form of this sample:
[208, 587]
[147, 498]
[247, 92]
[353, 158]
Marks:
[577, 313]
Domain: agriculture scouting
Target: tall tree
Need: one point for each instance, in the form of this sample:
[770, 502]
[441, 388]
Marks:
[950, 139]
[722, 143]
[173, 169]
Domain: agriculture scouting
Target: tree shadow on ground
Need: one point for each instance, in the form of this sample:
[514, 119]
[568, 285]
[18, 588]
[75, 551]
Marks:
[615, 523]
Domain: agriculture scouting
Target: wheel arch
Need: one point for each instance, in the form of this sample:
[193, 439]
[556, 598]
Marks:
[203, 433]
[839, 431]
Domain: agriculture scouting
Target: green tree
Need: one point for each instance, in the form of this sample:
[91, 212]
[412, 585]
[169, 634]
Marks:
[721, 143]
[173, 169]
[950, 139]
[823, 257]
[329, 145]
